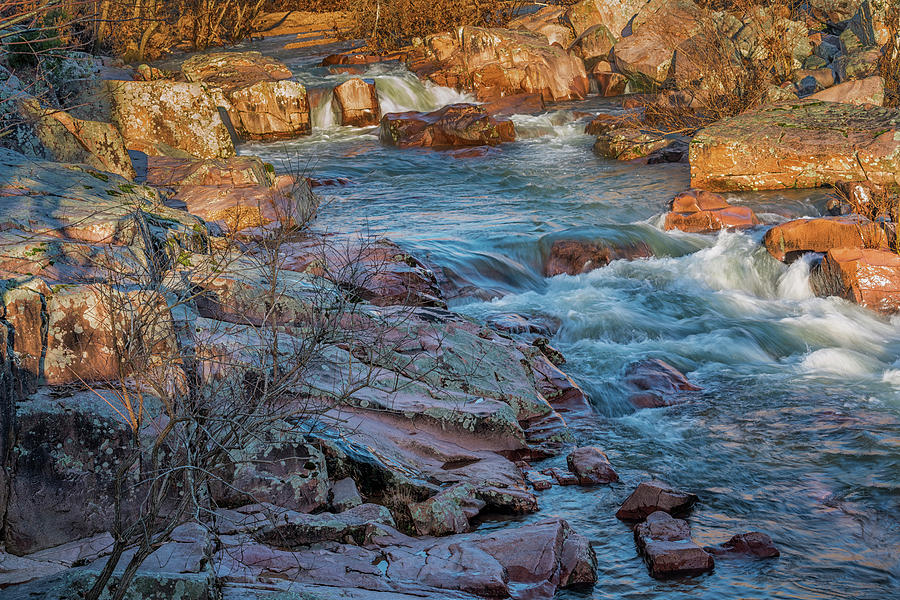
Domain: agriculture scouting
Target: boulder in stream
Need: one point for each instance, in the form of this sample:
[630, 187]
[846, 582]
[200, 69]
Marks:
[657, 383]
[591, 465]
[746, 545]
[573, 257]
[865, 276]
[699, 211]
[789, 240]
[668, 548]
[653, 496]
[357, 103]
[453, 126]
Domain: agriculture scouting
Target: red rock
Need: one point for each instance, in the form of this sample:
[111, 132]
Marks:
[452, 126]
[561, 476]
[868, 91]
[261, 99]
[698, 211]
[237, 171]
[357, 103]
[497, 62]
[628, 143]
[658, 383]
[574, 257]
[753, 544]
[800, 144]
[610, 84]
[868, 277]
[653, 496]
[591, 466]
[668, 548]
[538, 481]
[603, 123]
[546, 22]
[788, 240]
[518, 104]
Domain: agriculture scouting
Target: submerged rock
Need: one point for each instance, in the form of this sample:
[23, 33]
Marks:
[498, 62]
[668, 548]
[867, 277]
[653, 496]
[574, 257]
[658, 384]
[591, 465]
[789, 240]
[803, 144]
[452, 126]
[753, 544]
[699, 211]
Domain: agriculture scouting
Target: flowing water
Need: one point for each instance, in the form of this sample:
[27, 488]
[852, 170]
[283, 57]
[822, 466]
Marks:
[796, 430]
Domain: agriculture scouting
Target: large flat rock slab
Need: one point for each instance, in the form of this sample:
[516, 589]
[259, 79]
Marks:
[802, 144]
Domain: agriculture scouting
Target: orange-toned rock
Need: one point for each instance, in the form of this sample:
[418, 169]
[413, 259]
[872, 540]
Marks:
[610, 84]
[856, 91]
[699, 211]
[261, 99]
[604, 122]
[547, 22]
[614, 14]
[357, 103]
[788, 240]
[452, 126]
[519, 104]
[237, 171]
[498, 62]
[868, 277]
[801, 144]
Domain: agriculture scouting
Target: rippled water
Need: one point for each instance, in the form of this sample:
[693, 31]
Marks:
[796, 430]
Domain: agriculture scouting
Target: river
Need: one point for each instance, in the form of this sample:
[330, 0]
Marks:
[797, 429]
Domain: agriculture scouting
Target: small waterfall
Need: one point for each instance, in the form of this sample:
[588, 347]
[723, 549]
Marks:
[404, 91]
[323, 114]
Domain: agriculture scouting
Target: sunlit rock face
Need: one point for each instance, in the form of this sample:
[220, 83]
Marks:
[261, 99]
[802, 144]
[498, 62]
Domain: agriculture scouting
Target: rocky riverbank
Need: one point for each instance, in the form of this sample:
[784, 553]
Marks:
[143, 259]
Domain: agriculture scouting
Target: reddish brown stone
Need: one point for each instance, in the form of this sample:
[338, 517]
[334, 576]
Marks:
[573, 257]
[452, 126]
[788, 240]
[668, 548]
[753, 544]
[652, 496]
[357, 103]
[698, 211]
[591, 466]
[870, 278]
[658, 384]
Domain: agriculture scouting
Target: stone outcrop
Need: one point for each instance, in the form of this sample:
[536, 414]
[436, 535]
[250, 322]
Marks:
[593, 45]
[807, 143]
[615, 15]
[652, 496]
[657, 30]
[67, 139]
[656, 383]
[548, 22]
[257, 92]
[574, 257]
[498, 62]
[789, 240]
[668, 548]
[161, 118]
[357, 103]
[699, 211]
[867, 277]
[453, 126]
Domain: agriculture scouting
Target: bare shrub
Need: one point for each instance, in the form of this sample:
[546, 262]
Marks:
[878, 204]
[739, 53]
[392, 24]
[889, 65]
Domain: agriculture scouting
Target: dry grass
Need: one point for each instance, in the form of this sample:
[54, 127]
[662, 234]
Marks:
[879, 205]
[391, 24]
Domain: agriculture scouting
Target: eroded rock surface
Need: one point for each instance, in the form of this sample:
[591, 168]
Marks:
[453, 126]
[808, 143]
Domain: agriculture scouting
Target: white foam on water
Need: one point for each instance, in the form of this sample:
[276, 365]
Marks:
[405, 92]
[839, 361]
[794, 283]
